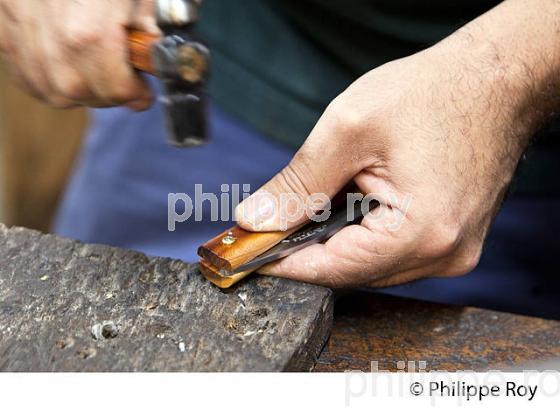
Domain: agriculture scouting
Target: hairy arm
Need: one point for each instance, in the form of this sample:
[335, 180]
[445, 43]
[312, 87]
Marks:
[514, 50]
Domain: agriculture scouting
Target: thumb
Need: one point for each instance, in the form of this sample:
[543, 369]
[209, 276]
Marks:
[316, 173]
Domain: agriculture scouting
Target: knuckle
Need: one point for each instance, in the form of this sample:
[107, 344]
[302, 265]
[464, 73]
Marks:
[466, 263]
[121, 93]
[72, 88]
[442, 240]
[77, 37]
[37, 83]
[60, 102]
[343, 117]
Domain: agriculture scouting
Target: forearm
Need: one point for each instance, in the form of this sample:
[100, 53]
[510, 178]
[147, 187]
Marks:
[516, 50]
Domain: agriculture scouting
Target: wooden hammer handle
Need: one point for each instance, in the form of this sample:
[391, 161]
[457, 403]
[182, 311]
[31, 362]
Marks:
[140, 48]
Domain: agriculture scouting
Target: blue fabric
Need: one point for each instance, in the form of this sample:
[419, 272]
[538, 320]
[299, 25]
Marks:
[518, 271]
[118, 196]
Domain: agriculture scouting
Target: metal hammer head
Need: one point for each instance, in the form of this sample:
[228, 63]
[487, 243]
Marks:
[181, 62]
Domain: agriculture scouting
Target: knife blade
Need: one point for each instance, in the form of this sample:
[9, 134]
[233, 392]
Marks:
[311, 233]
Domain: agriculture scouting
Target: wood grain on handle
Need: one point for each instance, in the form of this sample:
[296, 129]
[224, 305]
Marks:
[223, 255]
[219, 280]
[231, 249]
[140, 49]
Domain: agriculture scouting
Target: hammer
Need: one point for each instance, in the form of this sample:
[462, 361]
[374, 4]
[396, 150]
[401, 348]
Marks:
[181, 62]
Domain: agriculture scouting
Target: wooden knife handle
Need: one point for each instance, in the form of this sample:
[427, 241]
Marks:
[140, 49]
[232, 248]
[218, 279]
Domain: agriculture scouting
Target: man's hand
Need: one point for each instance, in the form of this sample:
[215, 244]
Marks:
[74, 52]
[436, 138]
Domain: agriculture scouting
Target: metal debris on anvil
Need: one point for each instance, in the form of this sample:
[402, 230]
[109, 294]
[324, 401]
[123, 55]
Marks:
[243, 297]
[104, 330]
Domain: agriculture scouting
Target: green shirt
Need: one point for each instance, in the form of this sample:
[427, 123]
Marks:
[277, 64]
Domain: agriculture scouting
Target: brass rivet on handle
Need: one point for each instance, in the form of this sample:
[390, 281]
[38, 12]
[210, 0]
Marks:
[229, 239]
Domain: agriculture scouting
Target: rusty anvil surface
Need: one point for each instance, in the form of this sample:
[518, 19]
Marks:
[68, 306]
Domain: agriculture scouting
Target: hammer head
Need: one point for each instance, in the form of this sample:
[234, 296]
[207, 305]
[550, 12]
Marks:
[181, 62]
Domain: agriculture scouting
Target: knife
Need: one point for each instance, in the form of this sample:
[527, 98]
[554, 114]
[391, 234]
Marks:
[309, 234]
[234, 254]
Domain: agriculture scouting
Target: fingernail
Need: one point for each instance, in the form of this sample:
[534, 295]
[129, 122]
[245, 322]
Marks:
[257, 210]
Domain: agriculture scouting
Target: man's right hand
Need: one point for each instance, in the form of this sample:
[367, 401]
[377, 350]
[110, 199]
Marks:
[74, 52]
